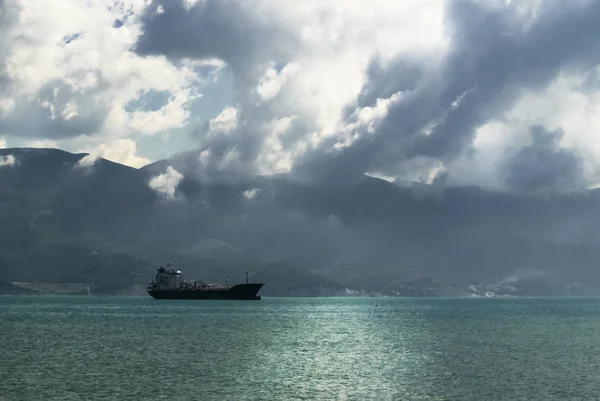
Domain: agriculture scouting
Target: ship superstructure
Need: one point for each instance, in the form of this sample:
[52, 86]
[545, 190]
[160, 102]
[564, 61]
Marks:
[170, 283]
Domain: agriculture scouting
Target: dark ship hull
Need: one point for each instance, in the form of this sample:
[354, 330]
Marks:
[241, 292]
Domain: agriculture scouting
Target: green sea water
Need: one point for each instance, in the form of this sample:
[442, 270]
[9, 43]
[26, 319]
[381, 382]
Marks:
[130, 348]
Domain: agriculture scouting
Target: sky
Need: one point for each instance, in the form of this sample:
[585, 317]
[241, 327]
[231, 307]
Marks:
[502, 94]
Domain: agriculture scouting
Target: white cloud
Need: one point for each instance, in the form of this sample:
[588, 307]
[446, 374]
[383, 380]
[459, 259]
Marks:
[271, 81]
[71, 69]
[365, 120]
[2, 143]
[173, 115]
[567, 104]
[338, 40]
[274, 157]
[121, 151]
[381, 177]
[251, 193]
[7, 105]
[225, 122]
[42, 144]
[166, 184]
[7, 161]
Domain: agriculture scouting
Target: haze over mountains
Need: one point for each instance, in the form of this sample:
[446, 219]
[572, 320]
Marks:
[65, 218]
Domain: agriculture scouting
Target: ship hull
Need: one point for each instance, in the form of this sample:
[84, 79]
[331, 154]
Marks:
[239, 292]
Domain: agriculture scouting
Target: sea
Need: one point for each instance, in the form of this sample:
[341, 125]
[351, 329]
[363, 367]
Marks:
[137, 348]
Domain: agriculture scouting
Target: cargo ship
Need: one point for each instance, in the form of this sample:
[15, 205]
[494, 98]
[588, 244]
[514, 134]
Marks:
[170, 284]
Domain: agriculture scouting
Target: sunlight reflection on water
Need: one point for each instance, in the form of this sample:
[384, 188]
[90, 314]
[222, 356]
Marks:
[86, 348]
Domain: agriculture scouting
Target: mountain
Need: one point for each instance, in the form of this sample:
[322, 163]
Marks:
[62, 222]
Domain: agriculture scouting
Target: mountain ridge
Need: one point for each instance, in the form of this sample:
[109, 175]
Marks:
[337, 235]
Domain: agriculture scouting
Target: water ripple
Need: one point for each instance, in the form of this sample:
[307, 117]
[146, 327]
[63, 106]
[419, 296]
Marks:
[85, 348]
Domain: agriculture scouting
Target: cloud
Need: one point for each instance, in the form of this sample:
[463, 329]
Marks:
[166, 184]
[251, 193]
[293, 72]
[67, 72]
[495, 55]
[354, 101]
[232, 31]
[236, 33]
[119, 151]
[7, 161]
[172, 115]
[431, 90]
[2, 143]
[543, 165]
[42, 143]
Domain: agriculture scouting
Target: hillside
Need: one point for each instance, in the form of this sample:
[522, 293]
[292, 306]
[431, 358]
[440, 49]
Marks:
[103, 225]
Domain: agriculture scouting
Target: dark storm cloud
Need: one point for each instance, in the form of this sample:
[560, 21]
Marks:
[223, 29]
[401, 75]
[492, 57]
[543, 165]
